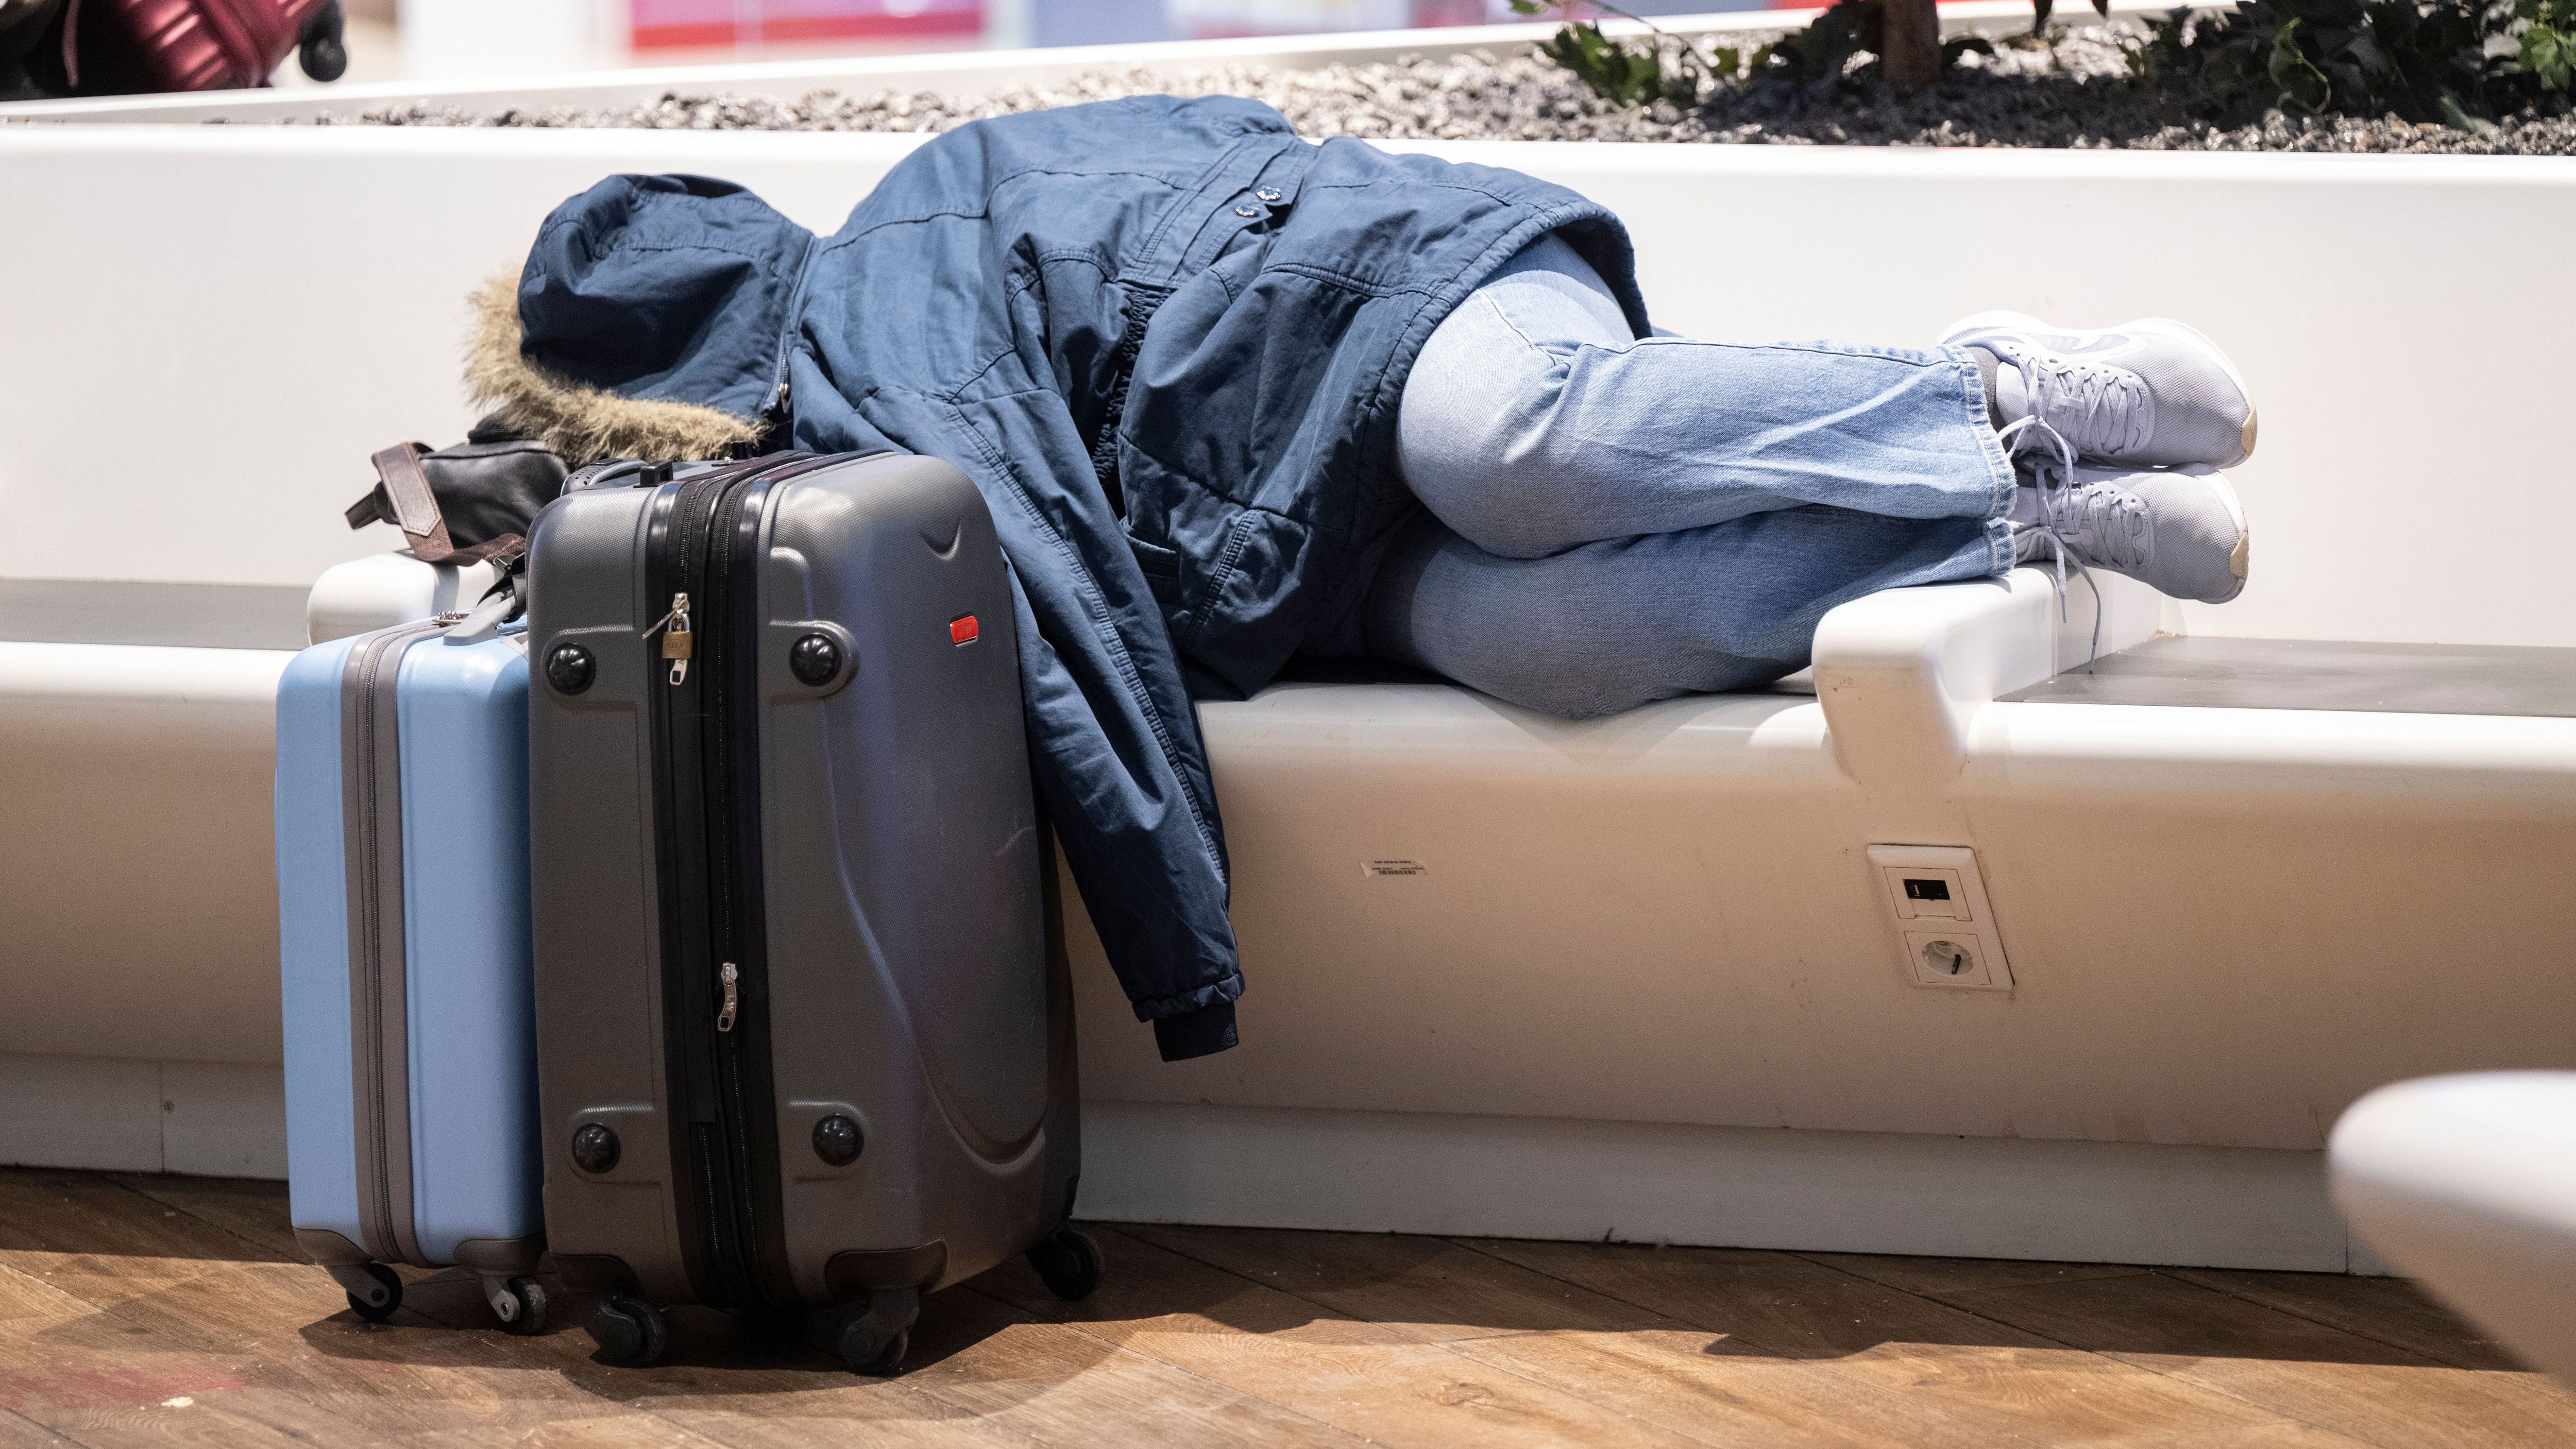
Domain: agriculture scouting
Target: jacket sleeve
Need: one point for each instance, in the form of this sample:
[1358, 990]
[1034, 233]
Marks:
[1147, 878]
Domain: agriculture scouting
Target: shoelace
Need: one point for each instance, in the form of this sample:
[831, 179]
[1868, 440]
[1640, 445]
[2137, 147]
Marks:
[2104, 409]
[2064, 509]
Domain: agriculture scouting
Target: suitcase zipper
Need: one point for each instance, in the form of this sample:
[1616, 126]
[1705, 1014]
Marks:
[371, 890]
[710, 771]
[370, 1043]
[730, 771]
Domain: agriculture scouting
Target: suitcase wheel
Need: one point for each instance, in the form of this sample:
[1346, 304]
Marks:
[321, 46]
[874, 1340]
[1068, 1262]
[874, 1356]
[378, 1305]
[520, 1304]
[631, 1333]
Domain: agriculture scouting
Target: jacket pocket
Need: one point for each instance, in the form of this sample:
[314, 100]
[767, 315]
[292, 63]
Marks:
[1162, 568]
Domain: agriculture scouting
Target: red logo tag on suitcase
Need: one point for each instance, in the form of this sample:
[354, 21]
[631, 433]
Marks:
[962, 629]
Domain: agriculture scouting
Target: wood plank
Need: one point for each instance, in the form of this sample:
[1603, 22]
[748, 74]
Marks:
[721, 1382]
[404, 1378]
[1933, 1277]
[251, 1210]
[97, 1241]
[2390, 1310]
[1063, 1386]
[28, 1305]
[979, 1374]
[2371, 1391]
[1664, 1368]
[69, 1368]
[152, 1309]
[2017, 1382]
[1369, 1382]
[437, 1362]
[607, 1431]
[90, 1377]
[277, 1328]
[19, 1432]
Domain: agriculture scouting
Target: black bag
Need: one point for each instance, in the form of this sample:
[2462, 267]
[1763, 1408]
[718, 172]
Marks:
[463, 504]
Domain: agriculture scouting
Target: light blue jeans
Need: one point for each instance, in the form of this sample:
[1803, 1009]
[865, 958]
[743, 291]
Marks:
[1612, 521]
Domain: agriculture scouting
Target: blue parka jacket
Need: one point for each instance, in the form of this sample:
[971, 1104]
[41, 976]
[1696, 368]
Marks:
[1166, 340]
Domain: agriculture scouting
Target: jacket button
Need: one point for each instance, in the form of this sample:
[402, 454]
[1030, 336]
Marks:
[570, 669]
[837, 1140]
[1247, 211]
[1269, 193]
[814, 659]
[594, 1148]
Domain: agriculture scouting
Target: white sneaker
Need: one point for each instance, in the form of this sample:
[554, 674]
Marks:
[2147, 393]
[2180, 531]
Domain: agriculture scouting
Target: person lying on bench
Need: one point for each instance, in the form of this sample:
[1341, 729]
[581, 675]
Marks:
[1232, 396]
[1609, 520]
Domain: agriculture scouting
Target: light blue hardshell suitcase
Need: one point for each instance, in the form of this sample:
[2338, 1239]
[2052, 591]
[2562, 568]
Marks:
[402, 882]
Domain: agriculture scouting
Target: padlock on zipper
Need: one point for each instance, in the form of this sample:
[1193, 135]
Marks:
[679, 642]
[679, 645]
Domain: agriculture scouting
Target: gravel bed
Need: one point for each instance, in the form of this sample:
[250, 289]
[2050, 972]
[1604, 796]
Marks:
[2071, 91]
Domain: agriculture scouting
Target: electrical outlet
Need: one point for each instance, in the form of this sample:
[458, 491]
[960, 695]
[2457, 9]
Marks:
[1945, 928]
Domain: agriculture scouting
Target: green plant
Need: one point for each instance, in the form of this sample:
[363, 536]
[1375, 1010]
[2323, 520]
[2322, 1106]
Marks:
[1823, 51]
[1624, 74]
[2547, 52]
[2452, 61]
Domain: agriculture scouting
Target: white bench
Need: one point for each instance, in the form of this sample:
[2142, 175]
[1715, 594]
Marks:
[1642, 984]
[2469, 1183]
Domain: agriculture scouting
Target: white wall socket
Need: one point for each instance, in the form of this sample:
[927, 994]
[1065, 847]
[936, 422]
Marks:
[1945, 927]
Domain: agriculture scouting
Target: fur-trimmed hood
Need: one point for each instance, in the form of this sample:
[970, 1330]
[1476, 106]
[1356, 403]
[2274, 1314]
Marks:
[650, 322]
[582, 424]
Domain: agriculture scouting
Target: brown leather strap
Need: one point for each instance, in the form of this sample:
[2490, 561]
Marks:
[415, 507]
[500, 552]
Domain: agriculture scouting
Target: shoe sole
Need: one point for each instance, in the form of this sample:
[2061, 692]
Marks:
[2165, 327]
[2237, 556]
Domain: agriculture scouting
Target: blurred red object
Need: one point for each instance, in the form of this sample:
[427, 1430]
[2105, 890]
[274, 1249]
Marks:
[192, 45]
[695, 24]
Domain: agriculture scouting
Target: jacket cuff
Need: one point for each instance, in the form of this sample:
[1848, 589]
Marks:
[1203, 1032]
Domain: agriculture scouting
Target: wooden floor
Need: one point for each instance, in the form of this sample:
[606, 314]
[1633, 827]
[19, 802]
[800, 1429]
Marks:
[169, 1309]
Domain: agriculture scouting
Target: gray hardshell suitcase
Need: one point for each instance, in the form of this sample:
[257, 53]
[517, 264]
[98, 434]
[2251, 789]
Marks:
[804, 1036]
